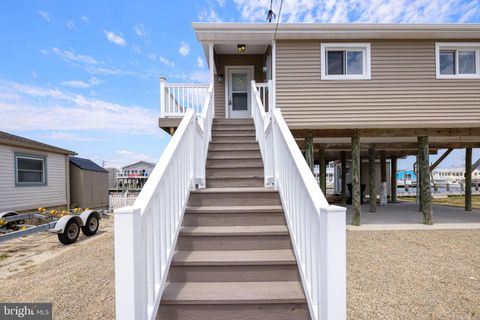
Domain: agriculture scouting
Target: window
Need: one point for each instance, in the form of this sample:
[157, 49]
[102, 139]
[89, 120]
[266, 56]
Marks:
[458, 60]
[345, 61]
[30, 170]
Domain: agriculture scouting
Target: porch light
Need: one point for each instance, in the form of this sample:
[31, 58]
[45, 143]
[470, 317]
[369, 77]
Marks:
[241, 48]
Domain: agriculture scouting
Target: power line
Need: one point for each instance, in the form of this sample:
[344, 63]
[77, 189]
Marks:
[278, 20]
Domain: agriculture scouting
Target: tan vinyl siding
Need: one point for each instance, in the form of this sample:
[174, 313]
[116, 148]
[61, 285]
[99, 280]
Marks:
[222, 60]
[88, 188]
[20, 198]
[403, 90]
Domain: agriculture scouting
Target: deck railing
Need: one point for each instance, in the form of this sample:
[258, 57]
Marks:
[146, 233]
[177, 98]
[263, 90]
[317, 229]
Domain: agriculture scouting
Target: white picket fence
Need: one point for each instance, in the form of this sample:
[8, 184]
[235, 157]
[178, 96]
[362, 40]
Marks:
[317, 229]
[117, 201]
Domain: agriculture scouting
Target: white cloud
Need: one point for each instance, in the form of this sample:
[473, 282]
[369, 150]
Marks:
[371, 11]
[70, 25]
[85, 19]
[34, 75]
[67, 137]
[140, 31]
[44, 15]
[221, 3]
[115, 38]
[209, 15]
[63, 111]
[200, 62]
[184, 48]
[81, 84]
[199, 76]
[136, 49]
[72, 56]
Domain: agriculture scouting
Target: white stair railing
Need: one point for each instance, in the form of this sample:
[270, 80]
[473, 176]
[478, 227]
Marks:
[146, 233]
[177, 98]
[317, 229]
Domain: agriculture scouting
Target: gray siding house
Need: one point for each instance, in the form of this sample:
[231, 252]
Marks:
[32, 174]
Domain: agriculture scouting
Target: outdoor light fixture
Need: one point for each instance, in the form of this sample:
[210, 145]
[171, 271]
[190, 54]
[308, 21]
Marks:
[220, 77]
[241, 48]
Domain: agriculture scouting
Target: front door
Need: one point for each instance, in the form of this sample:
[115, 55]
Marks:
[238, 92]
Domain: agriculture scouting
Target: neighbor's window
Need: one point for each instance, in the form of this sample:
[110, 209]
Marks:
[30, 170]
[345, 61]
[458, 60]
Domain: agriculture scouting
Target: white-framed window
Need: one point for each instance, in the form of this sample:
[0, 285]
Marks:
[457, 60]
[345, 61]
[30, 170]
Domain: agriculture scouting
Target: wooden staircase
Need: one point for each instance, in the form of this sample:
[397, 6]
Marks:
[234, 258]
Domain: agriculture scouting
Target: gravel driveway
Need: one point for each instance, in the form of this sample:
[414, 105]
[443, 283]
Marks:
[391, 275]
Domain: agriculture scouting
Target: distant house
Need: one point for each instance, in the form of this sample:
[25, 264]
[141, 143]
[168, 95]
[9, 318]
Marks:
[112, 178]
[32, 174]
[88, 184]
[134, 176]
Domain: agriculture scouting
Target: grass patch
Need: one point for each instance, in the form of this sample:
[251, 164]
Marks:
[458, 201]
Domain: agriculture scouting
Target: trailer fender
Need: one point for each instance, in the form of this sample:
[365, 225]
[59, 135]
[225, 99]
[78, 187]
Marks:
[62, 222]
[7, 214]
[85, 214]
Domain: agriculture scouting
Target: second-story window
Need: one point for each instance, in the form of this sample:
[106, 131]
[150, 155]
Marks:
[345, 61]
[458, 60]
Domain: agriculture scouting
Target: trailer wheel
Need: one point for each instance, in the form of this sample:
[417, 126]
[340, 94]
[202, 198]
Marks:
[70, 233]
[91, 225]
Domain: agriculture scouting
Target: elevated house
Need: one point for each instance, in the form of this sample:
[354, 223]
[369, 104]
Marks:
[231, 223]
[32, 174]
[134, 176]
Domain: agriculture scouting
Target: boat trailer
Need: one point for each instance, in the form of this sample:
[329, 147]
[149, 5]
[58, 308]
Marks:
[66, 224]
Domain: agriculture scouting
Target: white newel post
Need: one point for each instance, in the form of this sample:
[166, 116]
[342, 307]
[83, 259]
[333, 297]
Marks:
[333, 269]
[163, 81]
[130, 265]
[270, 97]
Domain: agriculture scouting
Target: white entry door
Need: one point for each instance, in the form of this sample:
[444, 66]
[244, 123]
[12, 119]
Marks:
[238, 92]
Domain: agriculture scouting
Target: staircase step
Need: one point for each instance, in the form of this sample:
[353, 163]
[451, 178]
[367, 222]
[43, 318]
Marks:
[230, 133]
[234, 197]
[239, 181]
[234, 155]
[234, 172]
[234, 163]
[233, 292]
[233, 139]
[234, 215]
[232, 121]
[229, 127]
[222, 146]
[234, 242]
[277, 230]
[237, 257]
[237, 265]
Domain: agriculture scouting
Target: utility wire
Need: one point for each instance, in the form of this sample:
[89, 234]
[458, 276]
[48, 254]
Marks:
[278, 20]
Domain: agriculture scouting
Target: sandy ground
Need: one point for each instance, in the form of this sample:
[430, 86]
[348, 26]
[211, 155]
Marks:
[391, 275]
[78, 279]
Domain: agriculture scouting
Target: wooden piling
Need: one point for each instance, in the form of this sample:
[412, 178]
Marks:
[309, 150]
[323, 170]
[393, 179]
[344, 178]
[372, 190]
[425, 190]
[383, 179]
[468, 179]
[356, 201]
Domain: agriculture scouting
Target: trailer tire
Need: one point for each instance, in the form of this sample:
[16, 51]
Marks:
[70, 233]
[91, 225]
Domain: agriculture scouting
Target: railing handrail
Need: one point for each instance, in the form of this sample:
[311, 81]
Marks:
[317, 229]
[146, 232]
[186, 85]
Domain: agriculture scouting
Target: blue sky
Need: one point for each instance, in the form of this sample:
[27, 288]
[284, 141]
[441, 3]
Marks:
[83, 75]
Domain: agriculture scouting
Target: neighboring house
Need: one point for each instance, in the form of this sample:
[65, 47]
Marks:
[88, 184]
[112, 178]
[361, 95]
[32, 174]
[134, 176]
